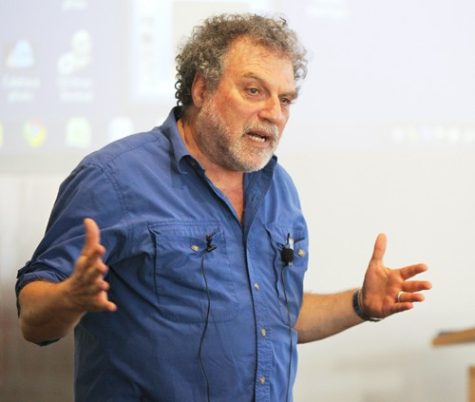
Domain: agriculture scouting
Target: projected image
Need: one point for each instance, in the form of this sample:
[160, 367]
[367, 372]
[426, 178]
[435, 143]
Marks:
[19, 84]
[20, 56]
[157, 29]
[96, 72]
[78, 56]
[78, 132]
[34, 133]
[77, 74]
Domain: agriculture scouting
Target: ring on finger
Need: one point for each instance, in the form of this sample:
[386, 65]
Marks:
[398, 297]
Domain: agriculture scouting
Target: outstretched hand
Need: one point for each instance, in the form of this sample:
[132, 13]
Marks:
[387, 291]
[86, 286]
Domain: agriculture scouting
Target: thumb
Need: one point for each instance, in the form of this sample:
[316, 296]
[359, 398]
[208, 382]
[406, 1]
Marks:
[379, 248]
[92, 232]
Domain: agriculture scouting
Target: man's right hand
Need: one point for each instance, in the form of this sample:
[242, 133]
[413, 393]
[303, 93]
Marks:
[49, 311]
[86, 287]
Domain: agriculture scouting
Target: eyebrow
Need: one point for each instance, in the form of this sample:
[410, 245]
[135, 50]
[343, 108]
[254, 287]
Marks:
[291, 94]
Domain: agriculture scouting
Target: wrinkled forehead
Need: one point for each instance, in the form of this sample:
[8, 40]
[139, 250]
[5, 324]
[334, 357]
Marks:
[245, 57]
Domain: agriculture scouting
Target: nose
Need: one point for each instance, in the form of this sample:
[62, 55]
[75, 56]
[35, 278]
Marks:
[274, 112]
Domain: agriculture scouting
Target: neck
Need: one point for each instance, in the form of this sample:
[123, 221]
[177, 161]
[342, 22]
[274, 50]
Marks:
[228, 181]
[221, 177]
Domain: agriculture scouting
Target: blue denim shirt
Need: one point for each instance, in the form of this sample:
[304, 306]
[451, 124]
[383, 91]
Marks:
[206, 307]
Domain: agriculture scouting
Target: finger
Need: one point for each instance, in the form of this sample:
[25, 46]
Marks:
[110, 306]
[102, 305]
[104, 286]
[87, 262]
[92, 236]
[105, 303]
[379, 248]
[399, 307]
[95, 253]
[412, 270]
[416, 286]
[407, 297]
[94, 271]
[97, 287]
[92, 249]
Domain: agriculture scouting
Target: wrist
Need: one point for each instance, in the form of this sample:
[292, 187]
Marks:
[359, 309]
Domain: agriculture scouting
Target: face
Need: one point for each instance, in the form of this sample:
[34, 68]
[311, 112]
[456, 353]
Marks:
[240, 122]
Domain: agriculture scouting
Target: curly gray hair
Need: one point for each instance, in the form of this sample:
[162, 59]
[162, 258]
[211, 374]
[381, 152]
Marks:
[205, 50]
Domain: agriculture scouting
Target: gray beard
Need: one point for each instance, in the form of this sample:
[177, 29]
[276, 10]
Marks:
[214, 140]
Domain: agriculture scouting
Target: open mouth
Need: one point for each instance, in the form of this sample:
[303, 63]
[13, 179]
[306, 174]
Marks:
[259, 136]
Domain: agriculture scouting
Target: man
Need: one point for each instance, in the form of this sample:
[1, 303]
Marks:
[191, 290]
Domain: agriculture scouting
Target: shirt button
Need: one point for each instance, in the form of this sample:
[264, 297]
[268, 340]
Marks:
[301, 252]
[263, 332]
[262, 380]
[194, 247]
[256, 286]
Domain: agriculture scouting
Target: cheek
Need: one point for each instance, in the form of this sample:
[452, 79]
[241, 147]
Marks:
[240, 105]
[238, 115]
[236, 112]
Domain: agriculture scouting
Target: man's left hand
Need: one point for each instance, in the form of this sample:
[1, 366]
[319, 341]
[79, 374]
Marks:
[387, 291]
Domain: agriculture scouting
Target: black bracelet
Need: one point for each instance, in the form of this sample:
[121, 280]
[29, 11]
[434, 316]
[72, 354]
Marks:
[359, 309]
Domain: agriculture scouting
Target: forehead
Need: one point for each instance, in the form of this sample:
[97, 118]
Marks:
[245, 57]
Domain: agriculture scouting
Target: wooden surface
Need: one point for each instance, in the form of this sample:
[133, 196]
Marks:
[454, 337]
[471, 384]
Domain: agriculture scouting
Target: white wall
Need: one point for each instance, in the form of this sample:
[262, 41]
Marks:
[424, 202]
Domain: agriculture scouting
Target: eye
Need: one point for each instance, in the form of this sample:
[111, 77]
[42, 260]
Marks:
[286, 101]
[253, 91]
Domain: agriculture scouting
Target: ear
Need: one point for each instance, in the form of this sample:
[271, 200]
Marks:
[198, 90]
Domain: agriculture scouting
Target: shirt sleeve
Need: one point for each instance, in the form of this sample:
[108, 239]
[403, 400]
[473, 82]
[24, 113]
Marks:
[89, 192]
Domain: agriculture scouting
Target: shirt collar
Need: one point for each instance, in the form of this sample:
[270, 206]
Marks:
[170, 130]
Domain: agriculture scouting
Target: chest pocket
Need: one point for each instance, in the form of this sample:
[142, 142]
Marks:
[288, 278]
[191, 270]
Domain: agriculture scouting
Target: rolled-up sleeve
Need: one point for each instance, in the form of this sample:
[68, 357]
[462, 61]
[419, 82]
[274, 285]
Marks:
[88, 192]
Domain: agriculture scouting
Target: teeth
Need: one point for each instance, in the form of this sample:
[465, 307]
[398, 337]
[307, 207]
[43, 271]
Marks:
[257, 138]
